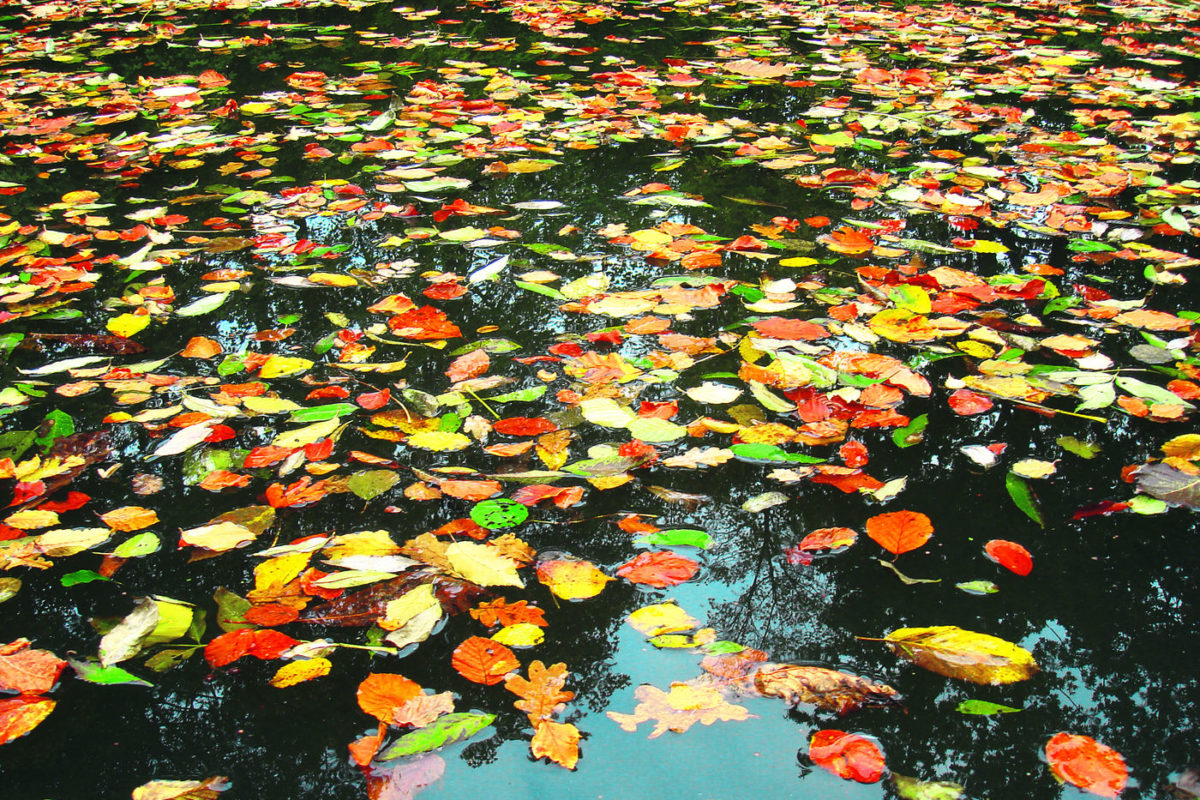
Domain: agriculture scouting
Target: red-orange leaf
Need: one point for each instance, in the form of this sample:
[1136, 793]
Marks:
[469, 365]
[264, 645]
[828, 539]
[470, 490]
[19, 715]
[524, 426]
[847, 755]
[1082, 761]
[782, 328]
[271, 614]
[660, 569]
[900, 531]
[483, 661]
[1009, 555]
[503, 613]
[27, 671]
[380, 694]
[965, 402]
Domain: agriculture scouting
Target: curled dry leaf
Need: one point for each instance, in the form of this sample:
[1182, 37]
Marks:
[824, 688]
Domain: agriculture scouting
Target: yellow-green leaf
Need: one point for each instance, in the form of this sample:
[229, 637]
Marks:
[128, 324]
[481, 564]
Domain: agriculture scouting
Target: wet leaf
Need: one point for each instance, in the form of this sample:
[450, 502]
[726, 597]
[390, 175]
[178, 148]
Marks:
[850, 756]
[825, 688]
[445, 730]
[1023, 496]
[984, 707]
[483, 661]
[658, 569]
[20, 715]
[678, 709]
[913, 789]
[900, 531]
[956, 653]
[26, 670]
[381, 694]
[1009, 555]
[1083, 762]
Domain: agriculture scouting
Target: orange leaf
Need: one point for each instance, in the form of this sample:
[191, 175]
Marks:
[201, 347]
[19, 715]
[828, 539]
[129, 518]
[524, 426]
[364, 748]
[503, 613]
[1009, 555]
[270, 614]
[900, 531]
[470, 490]
[28, 671]
[660, 569]
[542, 694]
[483, 661]
[1082, 761]
[965, 402]
[381, 693]
[469, 365]
[847, 755]
[264, 645]
[557, 741]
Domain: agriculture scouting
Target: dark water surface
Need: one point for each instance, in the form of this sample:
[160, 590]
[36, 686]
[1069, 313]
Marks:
[997, 103]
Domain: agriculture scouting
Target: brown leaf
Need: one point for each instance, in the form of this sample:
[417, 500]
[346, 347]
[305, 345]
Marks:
[679, 709]
[423, 709]
[824, 688]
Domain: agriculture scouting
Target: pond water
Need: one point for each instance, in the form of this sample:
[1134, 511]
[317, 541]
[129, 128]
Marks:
[745, 270]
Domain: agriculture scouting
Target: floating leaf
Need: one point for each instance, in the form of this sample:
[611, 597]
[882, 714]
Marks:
[499, 514]
[483, 661]
[658, 569]
[850, 756]
[1082, 761]
[26, 670]
[678, 709]
[824, 688]
[1009, 555]
[380, 694]
[913, 789]
[983, 707]
[20, 715]
[1023, 496]
[444, 730]
[956, 653]
[571, 579]
[482, 565]
[900, 531]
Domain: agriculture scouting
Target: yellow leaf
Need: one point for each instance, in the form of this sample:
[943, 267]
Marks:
[400, 611]
[956, 653]
[271, 575]
[439, 441]
[1034, 468]
[306, 435]
[361, 543]
[660, 618]
[983, 246]
[1186, 446]
[300, 671]
[332, 279]
[571, 579]
[801, 261]
[31, 519]
[217, 536]
[81, 197]
[902, 326]
[69, 541]
[522, 634]
[128, 324]
[284, 366]
[269, 405]
[480, 564]
[129, 518]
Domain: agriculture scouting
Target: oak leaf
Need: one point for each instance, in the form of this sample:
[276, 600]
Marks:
[678, 709]
[542, 694]
[501, 612]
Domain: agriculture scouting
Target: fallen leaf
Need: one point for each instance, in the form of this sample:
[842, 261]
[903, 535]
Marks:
[678, 709]
[900, 531]
[380, 694]
[825, 688]
[850, 756]
[956, 653]
[1083, 762]
[25, 670]
[1009, 555]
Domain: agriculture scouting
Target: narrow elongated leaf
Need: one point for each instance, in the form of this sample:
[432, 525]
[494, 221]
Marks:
[447, 729]
[1021, 494]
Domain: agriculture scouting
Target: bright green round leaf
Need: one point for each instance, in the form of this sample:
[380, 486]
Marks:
[501, 513]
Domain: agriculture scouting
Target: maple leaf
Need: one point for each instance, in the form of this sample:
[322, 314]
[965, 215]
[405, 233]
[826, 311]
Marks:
[678, 709]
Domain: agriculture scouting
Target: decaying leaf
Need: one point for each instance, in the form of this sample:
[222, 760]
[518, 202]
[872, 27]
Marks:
[824, 688]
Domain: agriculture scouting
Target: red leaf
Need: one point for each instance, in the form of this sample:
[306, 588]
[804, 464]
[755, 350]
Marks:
[374, 400]
[264, 645]
[965, 402]
[74, 500]
[854, 453]
[470, 490]
[462, 526]
[659, 569]
[24, 491]
[469, 365]
[27, 671]
[524, 426]
[900, 531]
[563, 496]
[322, 448]
[828, 539]
[271, 614]
[781, 328]
[848, 482]
[1009, 555]
[847, 755]
[265, 456]
[483, 661]
[20, 715]
[425, 322]
[1082, 761]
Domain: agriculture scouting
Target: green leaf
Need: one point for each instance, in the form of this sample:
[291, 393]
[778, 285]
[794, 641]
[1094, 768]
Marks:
[371, 483]
[8, 341]
[548, 291]
[983, 707]
[1089, 246]
[978, 587]
[760, 453]
[137, 546]
[498, 514]
[111, 675]
[1078, 447]
[1146, 505]
[230, 608]
[1023, 496]
[690, 537]
[912, 433]
[520, 395]
[13, 444]
[912, 789]
[488, 346]
[55, 425]
[445, 730]
[82, 576]
[322, 413]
